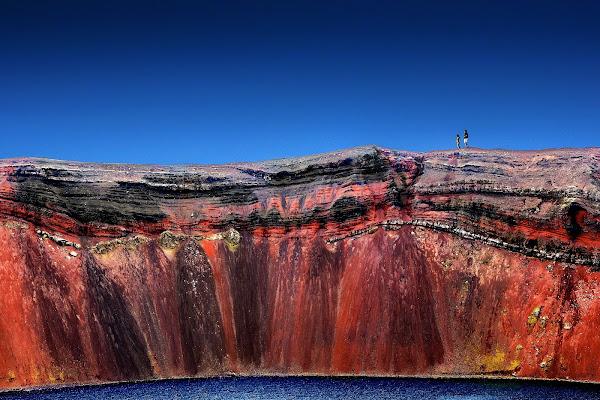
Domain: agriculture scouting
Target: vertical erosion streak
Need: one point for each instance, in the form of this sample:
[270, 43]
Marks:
[284, 284]
[317, 308]
[411, 301]
[247, 271]
[51, 296]
[115, 334]
[201, 323]
[421, 298]
[569, 315]
[162, 310]
[149, 283]
[386, 320]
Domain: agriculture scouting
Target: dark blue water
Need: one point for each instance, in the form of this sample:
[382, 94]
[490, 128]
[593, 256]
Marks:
[321, 388]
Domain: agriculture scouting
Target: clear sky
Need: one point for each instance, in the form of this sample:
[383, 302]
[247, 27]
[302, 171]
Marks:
[222, 81]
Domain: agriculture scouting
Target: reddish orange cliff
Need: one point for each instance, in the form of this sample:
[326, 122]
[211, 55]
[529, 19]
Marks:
[362, 261]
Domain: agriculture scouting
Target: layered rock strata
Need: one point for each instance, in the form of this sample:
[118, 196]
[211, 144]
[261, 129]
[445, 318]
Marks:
[363, 261]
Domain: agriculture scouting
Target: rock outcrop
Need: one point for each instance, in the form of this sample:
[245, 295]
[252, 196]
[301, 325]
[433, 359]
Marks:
[362, 261]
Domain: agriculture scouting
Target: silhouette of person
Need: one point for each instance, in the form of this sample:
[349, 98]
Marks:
[458, 140]
[466, 138]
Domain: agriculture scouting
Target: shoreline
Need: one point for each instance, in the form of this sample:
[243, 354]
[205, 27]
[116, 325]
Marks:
[439, 377]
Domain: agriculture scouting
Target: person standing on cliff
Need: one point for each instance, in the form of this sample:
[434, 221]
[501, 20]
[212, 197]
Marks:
[458, 140]
[466, 138]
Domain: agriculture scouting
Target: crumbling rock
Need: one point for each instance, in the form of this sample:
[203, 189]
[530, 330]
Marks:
[129, 243]
[170, 240]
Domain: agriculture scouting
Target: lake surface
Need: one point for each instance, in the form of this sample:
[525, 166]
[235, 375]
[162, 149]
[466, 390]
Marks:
[322, 388]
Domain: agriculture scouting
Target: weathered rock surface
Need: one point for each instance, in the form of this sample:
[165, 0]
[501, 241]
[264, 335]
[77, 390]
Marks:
[363, 261]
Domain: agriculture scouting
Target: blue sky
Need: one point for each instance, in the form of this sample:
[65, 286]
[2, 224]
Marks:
[225, 81]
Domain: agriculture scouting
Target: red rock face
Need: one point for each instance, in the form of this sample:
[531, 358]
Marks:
[364, 261]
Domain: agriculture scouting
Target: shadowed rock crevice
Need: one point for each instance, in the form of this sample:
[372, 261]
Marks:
[575, 217]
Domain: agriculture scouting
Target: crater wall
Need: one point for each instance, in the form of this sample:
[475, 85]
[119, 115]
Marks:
[363, 261]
